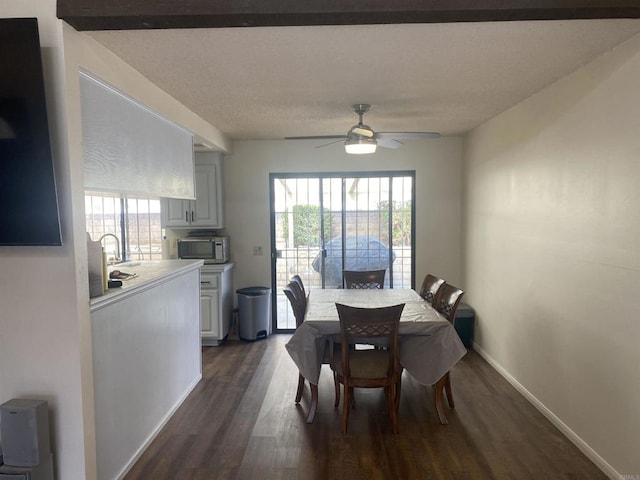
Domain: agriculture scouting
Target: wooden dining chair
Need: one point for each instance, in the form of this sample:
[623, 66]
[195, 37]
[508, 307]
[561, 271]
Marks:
[296, 278]
[298, 305]
[447, 300]
[371, 368]
[430, 286]
[300, 295]
[298, 300]
[446, 303]
[363, 278]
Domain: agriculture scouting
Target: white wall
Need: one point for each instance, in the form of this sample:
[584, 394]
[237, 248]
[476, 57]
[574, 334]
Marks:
[552, 252]
[438, 206]
[40, 347]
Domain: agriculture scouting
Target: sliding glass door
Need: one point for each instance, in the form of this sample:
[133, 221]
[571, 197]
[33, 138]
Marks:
[322, 224]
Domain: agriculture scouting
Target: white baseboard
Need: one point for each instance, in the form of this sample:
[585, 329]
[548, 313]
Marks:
[567, 432]
[158, 428]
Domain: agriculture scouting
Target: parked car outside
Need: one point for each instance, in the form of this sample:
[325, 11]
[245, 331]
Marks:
[361, 253]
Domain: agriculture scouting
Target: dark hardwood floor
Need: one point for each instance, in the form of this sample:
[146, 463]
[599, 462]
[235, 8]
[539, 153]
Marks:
[241, 422]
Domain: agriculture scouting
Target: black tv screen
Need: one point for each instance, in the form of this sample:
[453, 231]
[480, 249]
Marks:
[27, 185]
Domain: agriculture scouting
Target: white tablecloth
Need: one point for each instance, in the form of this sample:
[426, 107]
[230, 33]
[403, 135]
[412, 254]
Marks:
[429, 345]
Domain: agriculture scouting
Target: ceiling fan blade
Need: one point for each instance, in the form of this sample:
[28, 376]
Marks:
[406, 135]
[316, 137]
[389, 143]
[330, 143]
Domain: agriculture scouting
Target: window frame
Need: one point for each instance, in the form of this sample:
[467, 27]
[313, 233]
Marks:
[109, 214]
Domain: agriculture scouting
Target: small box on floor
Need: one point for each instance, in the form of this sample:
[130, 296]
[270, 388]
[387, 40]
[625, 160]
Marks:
[24, 434]
[43, 471]
[464, 324]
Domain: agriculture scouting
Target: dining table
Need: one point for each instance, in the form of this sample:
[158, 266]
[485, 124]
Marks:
[429, 345]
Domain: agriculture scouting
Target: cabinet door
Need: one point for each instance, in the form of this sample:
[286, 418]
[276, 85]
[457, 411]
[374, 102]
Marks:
[206, 206]
[175, 212]
[210, 330]
[209, 318]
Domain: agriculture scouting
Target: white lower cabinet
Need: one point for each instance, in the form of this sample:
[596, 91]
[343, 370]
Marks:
[216, 302]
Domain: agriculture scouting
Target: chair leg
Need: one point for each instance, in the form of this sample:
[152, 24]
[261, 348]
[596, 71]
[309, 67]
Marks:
[313, 407]
[391, 407]
[346, 406]
[300, 388]
[398, 391]
[336, 386]
[448, 390]
[438, 399]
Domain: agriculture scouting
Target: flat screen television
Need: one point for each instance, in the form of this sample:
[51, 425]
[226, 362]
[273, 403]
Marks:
[28, 199]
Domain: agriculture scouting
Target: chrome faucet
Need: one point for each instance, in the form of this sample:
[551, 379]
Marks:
[117, 259]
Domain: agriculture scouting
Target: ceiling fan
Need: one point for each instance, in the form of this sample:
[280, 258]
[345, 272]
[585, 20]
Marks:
[362, 139]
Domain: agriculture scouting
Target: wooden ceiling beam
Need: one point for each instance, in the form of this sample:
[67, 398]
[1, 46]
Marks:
[150, 14]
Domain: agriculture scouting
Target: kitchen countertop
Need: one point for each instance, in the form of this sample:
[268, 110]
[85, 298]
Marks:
[217, 267]
[148, 274]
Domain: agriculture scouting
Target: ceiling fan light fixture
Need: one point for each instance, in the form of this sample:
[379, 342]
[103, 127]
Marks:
[360, 145]
[361, 139]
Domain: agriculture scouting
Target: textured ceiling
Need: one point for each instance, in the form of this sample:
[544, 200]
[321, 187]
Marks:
[272, 82]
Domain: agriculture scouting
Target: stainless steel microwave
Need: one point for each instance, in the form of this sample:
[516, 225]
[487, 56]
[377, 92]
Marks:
[210, 249]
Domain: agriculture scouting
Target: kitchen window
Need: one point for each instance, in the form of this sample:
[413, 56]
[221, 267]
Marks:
[129, 226]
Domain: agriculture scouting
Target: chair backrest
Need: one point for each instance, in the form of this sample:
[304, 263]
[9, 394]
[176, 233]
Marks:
[430, 287]
[300, 295]
[296, 278]
[297, 300]
[447, 301]
[364, 324]
[363, 278]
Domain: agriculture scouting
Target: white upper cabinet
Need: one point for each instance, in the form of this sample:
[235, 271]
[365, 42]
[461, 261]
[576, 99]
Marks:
[207, 210]
[175, 212]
